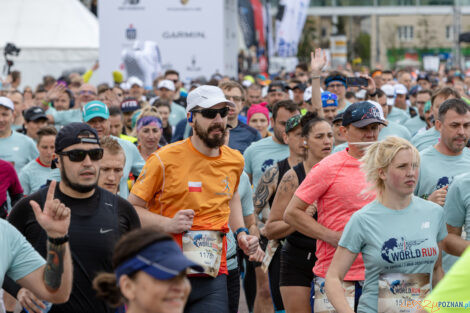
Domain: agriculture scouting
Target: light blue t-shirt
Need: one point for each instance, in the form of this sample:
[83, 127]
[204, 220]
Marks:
[62, 118]
[457, 211]
[246, 197]
[340, 147]
[17, 257]
[177, 114]
[425, 139]
[261, 155]
[18, 149]
[414, 124]
[34, 175]
[134, 163]
[438, 170]
[394, 241]
[398, 115]
[394, 129]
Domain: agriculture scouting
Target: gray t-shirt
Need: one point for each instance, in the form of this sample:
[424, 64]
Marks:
[394, 241]
[394, 129]
[425, 139]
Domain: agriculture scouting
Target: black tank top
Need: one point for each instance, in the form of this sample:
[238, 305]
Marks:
[283, 167]
[297, 239]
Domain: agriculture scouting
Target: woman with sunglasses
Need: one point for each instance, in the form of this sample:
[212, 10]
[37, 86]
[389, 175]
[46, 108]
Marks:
[398, 234]
[149, 274]
[298, 251]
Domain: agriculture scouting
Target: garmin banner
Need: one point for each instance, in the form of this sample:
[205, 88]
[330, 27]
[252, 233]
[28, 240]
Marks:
[195, 37]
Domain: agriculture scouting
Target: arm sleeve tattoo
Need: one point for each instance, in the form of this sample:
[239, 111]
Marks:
[54, 266]
[264, 189]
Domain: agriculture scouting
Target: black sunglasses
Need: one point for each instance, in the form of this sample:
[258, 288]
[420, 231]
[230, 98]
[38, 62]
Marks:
[80, 155]
[212, 113]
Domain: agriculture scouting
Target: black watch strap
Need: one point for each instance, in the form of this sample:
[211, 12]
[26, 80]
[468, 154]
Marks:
[58, 241]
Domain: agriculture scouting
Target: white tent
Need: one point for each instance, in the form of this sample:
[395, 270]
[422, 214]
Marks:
[53, 35]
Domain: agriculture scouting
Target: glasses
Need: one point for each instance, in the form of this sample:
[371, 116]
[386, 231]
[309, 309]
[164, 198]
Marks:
[234, 98]
[212, 113]
[80, 155]
[87, 92]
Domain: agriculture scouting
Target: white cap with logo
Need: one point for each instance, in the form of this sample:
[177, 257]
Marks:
[7, 103]
[205, 97]
[131, 81]
[400, 89]
[167, 84]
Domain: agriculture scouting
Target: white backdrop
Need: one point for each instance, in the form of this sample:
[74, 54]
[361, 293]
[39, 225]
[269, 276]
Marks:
[194, 37]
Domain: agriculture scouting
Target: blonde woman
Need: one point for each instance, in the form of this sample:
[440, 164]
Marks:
[399, 235]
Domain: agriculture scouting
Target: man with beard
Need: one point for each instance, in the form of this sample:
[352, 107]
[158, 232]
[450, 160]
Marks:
[98, 219]
[190, 189]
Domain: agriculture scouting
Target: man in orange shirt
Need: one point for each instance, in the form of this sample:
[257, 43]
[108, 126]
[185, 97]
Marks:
[189, 189]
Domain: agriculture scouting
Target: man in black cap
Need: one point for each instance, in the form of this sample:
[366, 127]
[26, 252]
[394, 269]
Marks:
[34, 119]
[98, 219]
[277, 91]
[298, 91]
[424, 82]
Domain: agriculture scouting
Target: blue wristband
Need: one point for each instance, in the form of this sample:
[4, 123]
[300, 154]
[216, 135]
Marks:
[241, 229]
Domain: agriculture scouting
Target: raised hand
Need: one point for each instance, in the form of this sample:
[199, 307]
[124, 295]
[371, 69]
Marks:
[55, 217]
[55, 92]
[371, 83]
[318, 60]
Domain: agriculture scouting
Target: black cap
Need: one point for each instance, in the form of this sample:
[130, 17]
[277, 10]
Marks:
[34, 114]
[361, 114]
[423, 76]
[338, 117]
[70, 135]
[278, 85]
[300, 86]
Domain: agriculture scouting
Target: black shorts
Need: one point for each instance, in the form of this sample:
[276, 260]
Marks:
[296, 266]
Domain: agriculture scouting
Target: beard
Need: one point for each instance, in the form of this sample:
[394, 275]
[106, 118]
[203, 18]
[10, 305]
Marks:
[74, 186]
[211, 142]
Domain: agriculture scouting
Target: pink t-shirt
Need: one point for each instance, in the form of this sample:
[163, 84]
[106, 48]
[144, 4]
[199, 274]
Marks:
[338, 185]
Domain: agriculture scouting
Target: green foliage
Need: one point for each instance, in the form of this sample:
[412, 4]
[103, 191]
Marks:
[306, 43]
[361, 48]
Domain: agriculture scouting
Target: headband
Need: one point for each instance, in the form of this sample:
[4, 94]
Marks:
[149, 120]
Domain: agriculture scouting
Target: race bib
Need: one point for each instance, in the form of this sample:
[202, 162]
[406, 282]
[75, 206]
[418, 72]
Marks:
[402, 293]
[269, 254]
[205, 248]
[322, 304]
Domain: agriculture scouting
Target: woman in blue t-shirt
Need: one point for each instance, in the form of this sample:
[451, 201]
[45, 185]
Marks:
[398, 234]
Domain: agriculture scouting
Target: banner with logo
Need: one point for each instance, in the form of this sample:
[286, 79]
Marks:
[290, 22]
[196, 38]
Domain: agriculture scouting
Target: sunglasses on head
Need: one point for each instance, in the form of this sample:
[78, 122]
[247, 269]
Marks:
[79, 155]
[212, 113]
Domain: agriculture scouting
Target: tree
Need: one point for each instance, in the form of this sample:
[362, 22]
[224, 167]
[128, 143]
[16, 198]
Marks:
[307, 40]
[361, 48]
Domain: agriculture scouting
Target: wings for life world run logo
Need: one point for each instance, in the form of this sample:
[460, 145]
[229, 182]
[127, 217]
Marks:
[203, 241]
[394, 250]
[267, 164]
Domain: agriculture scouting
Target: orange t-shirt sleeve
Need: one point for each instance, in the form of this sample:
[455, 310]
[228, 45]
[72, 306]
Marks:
[150, 180]
[314, 185]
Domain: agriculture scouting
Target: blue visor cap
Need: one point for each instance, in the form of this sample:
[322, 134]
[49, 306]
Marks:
[329, 99]
[162, 260]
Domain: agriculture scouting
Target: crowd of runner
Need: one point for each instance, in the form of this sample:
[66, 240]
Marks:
[313, 191]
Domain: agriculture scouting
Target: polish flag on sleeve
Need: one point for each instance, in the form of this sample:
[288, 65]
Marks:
[195, 186]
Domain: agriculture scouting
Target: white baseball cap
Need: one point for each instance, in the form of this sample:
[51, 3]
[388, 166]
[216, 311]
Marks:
[206, 96]
[389, 91]
[135, 81]
[167, 84]
[361, 94]
[400, 89]
[308, 94]
[7, 103]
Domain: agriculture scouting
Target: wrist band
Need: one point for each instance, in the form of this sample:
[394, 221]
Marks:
[240, 230]
[58, 241]
[315, 77]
